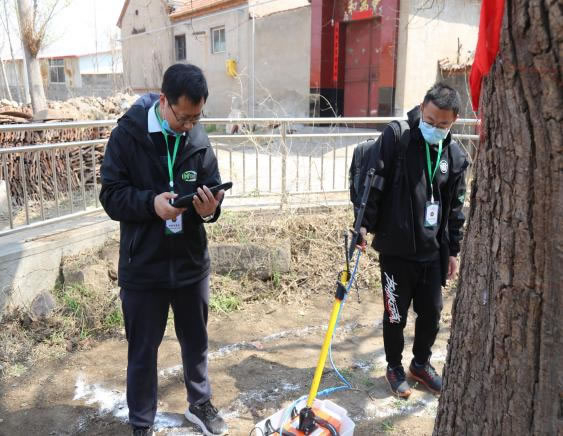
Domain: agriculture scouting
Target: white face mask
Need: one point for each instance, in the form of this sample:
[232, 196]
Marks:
[431, 134]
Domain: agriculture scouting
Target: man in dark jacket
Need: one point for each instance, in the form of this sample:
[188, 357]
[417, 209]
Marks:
[417, 222]
[158, 152]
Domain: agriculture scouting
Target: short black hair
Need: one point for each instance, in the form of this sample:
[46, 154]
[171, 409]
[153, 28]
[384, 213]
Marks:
[184, 80]
[443, 96]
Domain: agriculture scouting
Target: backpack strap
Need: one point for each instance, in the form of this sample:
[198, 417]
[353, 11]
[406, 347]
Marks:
[355, 171]
[401, 129]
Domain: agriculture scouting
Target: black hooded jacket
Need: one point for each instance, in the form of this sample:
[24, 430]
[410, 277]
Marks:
[133, 174]
[397, 219]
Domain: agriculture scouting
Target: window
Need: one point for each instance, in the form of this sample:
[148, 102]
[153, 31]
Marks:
[218, 40]
[57, 70]
[180, 44]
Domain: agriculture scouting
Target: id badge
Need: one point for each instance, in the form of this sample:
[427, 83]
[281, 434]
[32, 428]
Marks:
[174, 227]
[431, 214]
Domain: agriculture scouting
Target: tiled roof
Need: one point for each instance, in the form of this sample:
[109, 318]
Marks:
[191, 8]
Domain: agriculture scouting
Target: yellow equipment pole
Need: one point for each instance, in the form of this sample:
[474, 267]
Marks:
[344, 278]
[324, 353]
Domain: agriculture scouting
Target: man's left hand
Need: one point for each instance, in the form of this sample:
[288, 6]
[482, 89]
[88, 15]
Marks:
[204, 203]
[452, 267]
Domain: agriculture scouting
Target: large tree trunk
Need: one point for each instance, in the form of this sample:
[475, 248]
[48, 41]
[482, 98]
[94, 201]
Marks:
[503, 372]
[31, 42]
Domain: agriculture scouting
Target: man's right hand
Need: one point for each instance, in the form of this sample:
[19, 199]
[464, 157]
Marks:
[163, 208]
[362, 240]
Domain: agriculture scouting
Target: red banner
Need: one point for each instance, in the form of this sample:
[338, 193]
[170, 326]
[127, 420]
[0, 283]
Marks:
[490, 24]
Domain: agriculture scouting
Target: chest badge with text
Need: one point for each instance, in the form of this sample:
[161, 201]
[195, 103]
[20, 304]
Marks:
[443, 166]
[189, 176]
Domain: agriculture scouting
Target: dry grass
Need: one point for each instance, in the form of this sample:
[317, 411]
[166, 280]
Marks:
[317, 253]
[84, 315]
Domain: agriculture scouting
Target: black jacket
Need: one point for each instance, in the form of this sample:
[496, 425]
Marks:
[397, 219]
[132, 175]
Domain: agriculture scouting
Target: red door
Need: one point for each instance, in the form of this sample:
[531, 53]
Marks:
[361, 68]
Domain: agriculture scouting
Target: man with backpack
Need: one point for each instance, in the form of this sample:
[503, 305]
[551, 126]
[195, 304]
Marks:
[417, 221]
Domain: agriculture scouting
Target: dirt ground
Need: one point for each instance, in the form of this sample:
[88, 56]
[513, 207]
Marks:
[261, 358]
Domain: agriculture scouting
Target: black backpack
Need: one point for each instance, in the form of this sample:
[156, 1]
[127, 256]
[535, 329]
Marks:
[365, 154]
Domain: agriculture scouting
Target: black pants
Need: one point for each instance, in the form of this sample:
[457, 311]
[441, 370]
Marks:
[402, 281]
[145, 314]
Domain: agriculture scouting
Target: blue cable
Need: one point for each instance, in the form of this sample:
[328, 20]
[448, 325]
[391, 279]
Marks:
[347, 384]
[350, 283]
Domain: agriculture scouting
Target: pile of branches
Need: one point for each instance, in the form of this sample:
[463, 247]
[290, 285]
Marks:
[33, 173]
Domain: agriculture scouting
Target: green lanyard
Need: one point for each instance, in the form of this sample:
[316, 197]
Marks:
[172, 159]
[431, 173]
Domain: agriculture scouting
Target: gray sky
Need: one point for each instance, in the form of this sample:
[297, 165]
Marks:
[73, 30]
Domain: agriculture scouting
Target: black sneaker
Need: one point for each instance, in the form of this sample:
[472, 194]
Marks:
[398, 382]
[207, 418]
[426, 375]
[143, 431]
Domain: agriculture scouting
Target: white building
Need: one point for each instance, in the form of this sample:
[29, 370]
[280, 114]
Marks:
[81, 54]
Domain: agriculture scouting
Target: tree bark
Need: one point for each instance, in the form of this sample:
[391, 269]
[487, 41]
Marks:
[31, 44]
[5, 80]
[6, 24]
[25, 81]
[503, 372]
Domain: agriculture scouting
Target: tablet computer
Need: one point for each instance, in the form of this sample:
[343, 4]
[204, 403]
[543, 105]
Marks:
[186, 200]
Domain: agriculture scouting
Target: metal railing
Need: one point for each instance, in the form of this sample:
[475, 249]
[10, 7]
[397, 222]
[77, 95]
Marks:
[296, 164]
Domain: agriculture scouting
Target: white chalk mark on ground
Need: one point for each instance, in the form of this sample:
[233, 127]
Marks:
[114, 402]
[363, 365]
[172, 371]
[257, 344]
[425, 405]
[247, 401]
[108, 401]
[167, 420]
[181, 432]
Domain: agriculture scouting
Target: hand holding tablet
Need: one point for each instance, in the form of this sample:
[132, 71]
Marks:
[186, 200]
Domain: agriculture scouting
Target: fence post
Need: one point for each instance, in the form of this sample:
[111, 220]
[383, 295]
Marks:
[94, 180]
[24, 180]
[55, 181]
[8, 190]
[40, 184]
[283, 128]
[82, 182]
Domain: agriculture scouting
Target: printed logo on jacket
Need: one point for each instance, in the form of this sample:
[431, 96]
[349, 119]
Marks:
[189, 176]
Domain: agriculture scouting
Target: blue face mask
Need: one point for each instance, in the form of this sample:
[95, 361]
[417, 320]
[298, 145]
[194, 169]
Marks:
[166, 127]
[432, 135]
[164, 124]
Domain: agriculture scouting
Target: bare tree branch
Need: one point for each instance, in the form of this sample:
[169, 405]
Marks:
[43, 26]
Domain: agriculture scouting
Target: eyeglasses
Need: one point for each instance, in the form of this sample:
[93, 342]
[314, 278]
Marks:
[185, 120]
[439, 125]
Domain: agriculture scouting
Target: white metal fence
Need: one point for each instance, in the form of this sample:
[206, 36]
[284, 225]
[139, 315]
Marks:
[271, 161]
